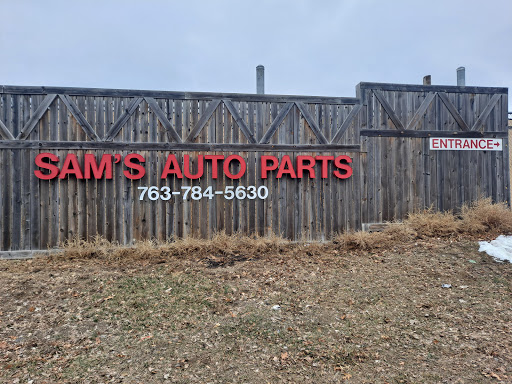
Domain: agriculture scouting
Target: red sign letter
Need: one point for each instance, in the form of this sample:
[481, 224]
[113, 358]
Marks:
[91, 165]
[286, 161]
[301, 167]
[325, 162]
[72, 161]
[243, 167]
[141, 170]
[265, 167]
[171, 160]
[54, 170]
[345, 167]
[214, 159]
[186, 167]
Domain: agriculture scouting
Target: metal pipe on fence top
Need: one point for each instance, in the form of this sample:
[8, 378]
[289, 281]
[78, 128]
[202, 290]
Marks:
[461, 77]
[260, 80]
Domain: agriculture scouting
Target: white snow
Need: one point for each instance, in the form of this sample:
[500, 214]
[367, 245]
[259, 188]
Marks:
[500, 248]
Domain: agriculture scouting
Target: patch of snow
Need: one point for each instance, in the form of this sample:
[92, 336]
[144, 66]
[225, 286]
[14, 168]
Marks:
[500, 248]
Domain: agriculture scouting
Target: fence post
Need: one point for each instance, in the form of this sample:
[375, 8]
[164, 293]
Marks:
[260, 79]
[427, 80]
[461, 76]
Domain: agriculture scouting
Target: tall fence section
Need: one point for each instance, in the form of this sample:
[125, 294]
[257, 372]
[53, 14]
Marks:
[131, 165]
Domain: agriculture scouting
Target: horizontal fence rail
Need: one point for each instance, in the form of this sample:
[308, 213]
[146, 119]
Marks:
[377, 142]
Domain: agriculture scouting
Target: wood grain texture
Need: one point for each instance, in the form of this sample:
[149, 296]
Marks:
[121, 121]
[241, 123]
[203, 120]
[453, 111]
[4, 132]
[311, 122]
[34, 119]
[276, 123]
[80, 118]
[389, 110]
[385, 131]
[173, 135]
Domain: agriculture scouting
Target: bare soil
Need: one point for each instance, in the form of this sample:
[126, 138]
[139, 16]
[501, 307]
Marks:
[304, 313]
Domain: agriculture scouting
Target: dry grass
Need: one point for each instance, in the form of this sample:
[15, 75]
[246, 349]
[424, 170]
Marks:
[481, 218]
[433, 224]
[221, 249]
[393, 234]
[343, 316]
[364, 308]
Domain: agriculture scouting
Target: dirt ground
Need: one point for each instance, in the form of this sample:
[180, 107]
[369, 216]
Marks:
[302, 313]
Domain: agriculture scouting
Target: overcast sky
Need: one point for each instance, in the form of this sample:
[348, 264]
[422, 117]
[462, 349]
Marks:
[307, 47]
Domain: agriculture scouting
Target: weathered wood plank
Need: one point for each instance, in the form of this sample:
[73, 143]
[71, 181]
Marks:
[221, 181]
[83, 203]
[171, 132]
[34, 119]
[118, 125]
[53, 227]
[73, 186]
[241, 123]
[229, 205]
[274, 181]
[187, 204]
[389, 110]
[101, 92]
[178, 214]
[80, 118]
[453, 111]
[64, 184]
[276, 123]
[346, 123]
[240, 216]
[4, 132]
[203, 120]
[25, 254]
[26, 222]
[101, 220]
[411, 133]
[213, 147]
[418, 115]
[203, 138]
[485, 113]
[260, 204]
[311, 122]
[368, 86]
[7, 182]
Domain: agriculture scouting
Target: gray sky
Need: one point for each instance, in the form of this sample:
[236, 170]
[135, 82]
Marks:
[307, 47]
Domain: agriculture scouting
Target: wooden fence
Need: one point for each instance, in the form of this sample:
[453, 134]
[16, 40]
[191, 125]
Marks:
[385, 130]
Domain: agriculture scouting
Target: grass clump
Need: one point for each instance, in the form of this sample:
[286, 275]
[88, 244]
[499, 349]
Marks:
[483, 216]
[393, 234]
[220, 249]
[429, 223]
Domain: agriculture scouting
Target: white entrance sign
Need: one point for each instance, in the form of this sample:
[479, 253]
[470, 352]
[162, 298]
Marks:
[452, 144]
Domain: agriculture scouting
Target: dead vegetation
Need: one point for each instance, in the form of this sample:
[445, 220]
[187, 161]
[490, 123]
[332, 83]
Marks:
[482, 216]
[479, 219]
[220, 249]
[433, 224]
[364, 308]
